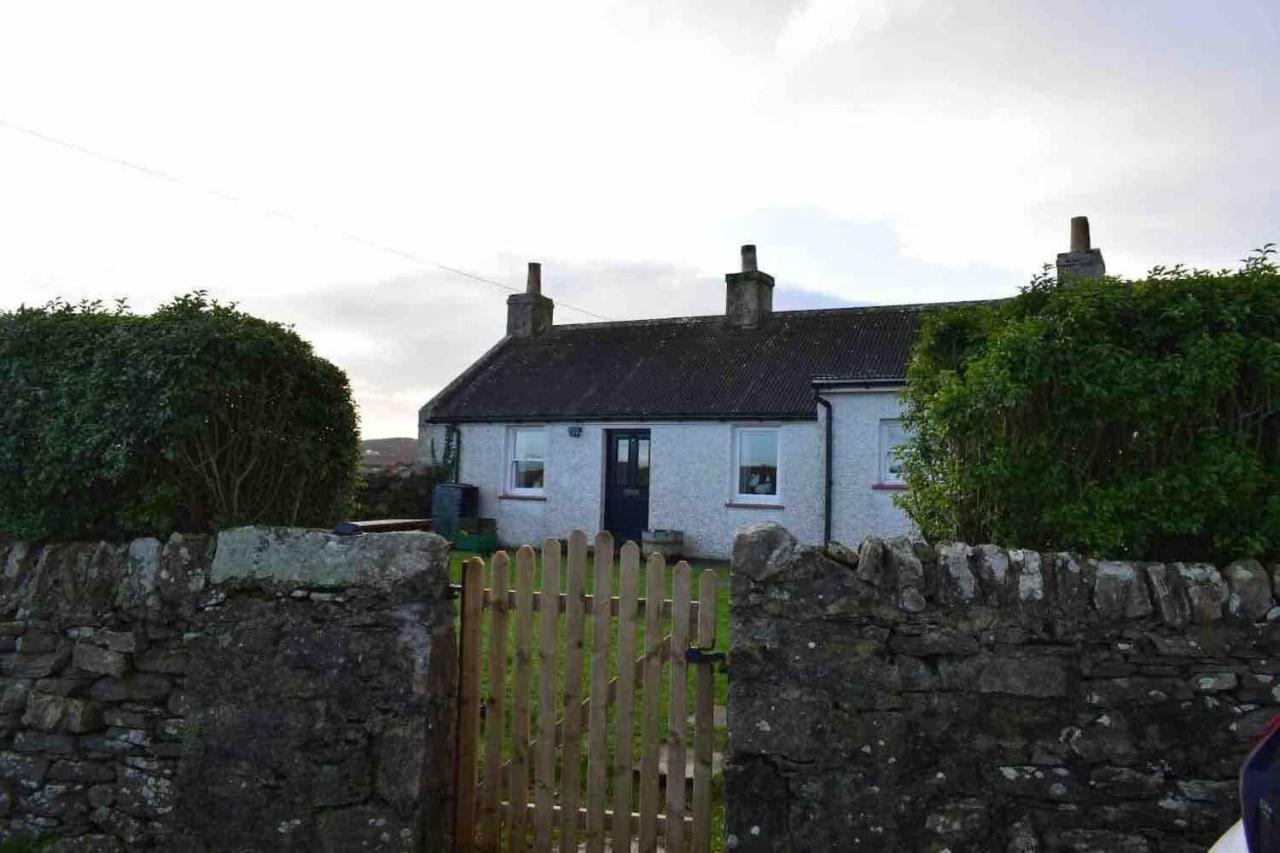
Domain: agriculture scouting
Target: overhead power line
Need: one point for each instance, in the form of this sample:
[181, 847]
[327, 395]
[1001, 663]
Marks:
[279, 214]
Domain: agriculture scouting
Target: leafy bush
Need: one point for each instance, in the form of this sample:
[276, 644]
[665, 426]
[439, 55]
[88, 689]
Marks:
[1137, 419]
[194, 417]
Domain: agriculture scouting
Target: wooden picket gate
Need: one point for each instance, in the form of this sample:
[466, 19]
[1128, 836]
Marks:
[528, 792]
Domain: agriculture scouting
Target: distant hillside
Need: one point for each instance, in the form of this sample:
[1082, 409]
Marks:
[385, 452]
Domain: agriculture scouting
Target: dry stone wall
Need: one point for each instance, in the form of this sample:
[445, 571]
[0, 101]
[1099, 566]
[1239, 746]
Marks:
[397, 491]
[953, 698]
[270, 690]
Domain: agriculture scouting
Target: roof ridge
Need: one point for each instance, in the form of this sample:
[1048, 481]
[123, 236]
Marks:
[903, 308]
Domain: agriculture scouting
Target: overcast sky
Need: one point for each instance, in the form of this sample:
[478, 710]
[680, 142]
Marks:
[313, 161]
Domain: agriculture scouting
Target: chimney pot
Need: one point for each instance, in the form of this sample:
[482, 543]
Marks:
[1080, 234]
[1083, 261]
[533, 284]
[749, 258]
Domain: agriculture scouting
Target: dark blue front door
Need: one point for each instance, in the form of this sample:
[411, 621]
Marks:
[626, 501]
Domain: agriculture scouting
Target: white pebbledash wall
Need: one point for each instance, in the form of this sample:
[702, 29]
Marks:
[691, 479]
[860, 505]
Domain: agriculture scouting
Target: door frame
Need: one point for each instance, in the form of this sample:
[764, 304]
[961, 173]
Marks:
[610, 435]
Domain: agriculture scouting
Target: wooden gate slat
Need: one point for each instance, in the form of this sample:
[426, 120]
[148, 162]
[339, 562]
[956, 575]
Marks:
[597, 744]
[520, 734]
[491, 790]
[545, 782]
[570, 773]
[624, 742]
[650, 724]
[469, 701]
[676, 709]
[703, 715]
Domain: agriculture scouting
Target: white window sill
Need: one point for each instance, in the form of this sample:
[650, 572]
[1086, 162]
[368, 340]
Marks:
[889, 487]
[753, 505]
[542, 497]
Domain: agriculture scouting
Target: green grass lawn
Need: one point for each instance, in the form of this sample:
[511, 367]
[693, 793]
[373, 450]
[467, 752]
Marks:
[721, 571]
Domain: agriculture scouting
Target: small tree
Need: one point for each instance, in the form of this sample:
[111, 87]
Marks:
[1136, 419]
[195, 417]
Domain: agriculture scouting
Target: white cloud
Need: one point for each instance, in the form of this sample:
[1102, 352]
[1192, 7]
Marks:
[822, 23]
[877, 151]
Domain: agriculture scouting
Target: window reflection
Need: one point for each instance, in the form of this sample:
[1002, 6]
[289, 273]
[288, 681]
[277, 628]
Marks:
[642, 462]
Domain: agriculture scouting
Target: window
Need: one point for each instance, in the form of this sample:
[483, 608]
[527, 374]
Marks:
[755, 457]
[892, 437]
[528, 460]
[622, 461]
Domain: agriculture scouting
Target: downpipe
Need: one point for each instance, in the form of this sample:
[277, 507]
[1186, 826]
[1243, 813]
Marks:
[826, 488]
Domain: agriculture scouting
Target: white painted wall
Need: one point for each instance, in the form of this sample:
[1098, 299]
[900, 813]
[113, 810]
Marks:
[691, 479]
[858, 509]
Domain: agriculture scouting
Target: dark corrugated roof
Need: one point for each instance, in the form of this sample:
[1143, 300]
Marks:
[691, 367]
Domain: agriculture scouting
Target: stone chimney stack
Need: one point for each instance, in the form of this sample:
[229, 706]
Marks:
[529, 313]
[748, 294]
[1082, 261]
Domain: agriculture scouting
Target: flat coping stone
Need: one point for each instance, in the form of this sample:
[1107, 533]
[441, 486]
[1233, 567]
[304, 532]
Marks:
[319, 559]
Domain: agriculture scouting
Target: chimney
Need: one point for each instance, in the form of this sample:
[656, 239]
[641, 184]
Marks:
[529, 313]
[1082, 261]
[748, 294]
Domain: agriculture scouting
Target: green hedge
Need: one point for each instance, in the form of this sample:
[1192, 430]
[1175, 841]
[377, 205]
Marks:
[195, 417]
[1126, 418]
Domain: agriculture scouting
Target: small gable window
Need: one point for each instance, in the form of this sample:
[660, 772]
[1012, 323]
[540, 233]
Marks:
[528, 454]
[892, 436]
[755, 454]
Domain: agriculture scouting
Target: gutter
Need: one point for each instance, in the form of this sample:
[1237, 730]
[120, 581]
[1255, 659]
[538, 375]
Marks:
[633, 418]
[834, 384]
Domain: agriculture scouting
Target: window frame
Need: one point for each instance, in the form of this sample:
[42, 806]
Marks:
[735, 458]
[885, 477]
[509, 477]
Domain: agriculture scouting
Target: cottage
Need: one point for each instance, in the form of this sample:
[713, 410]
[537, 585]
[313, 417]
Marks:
[696, 424]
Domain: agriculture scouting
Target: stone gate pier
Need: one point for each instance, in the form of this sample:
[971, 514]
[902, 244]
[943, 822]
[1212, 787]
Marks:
[269, 689]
